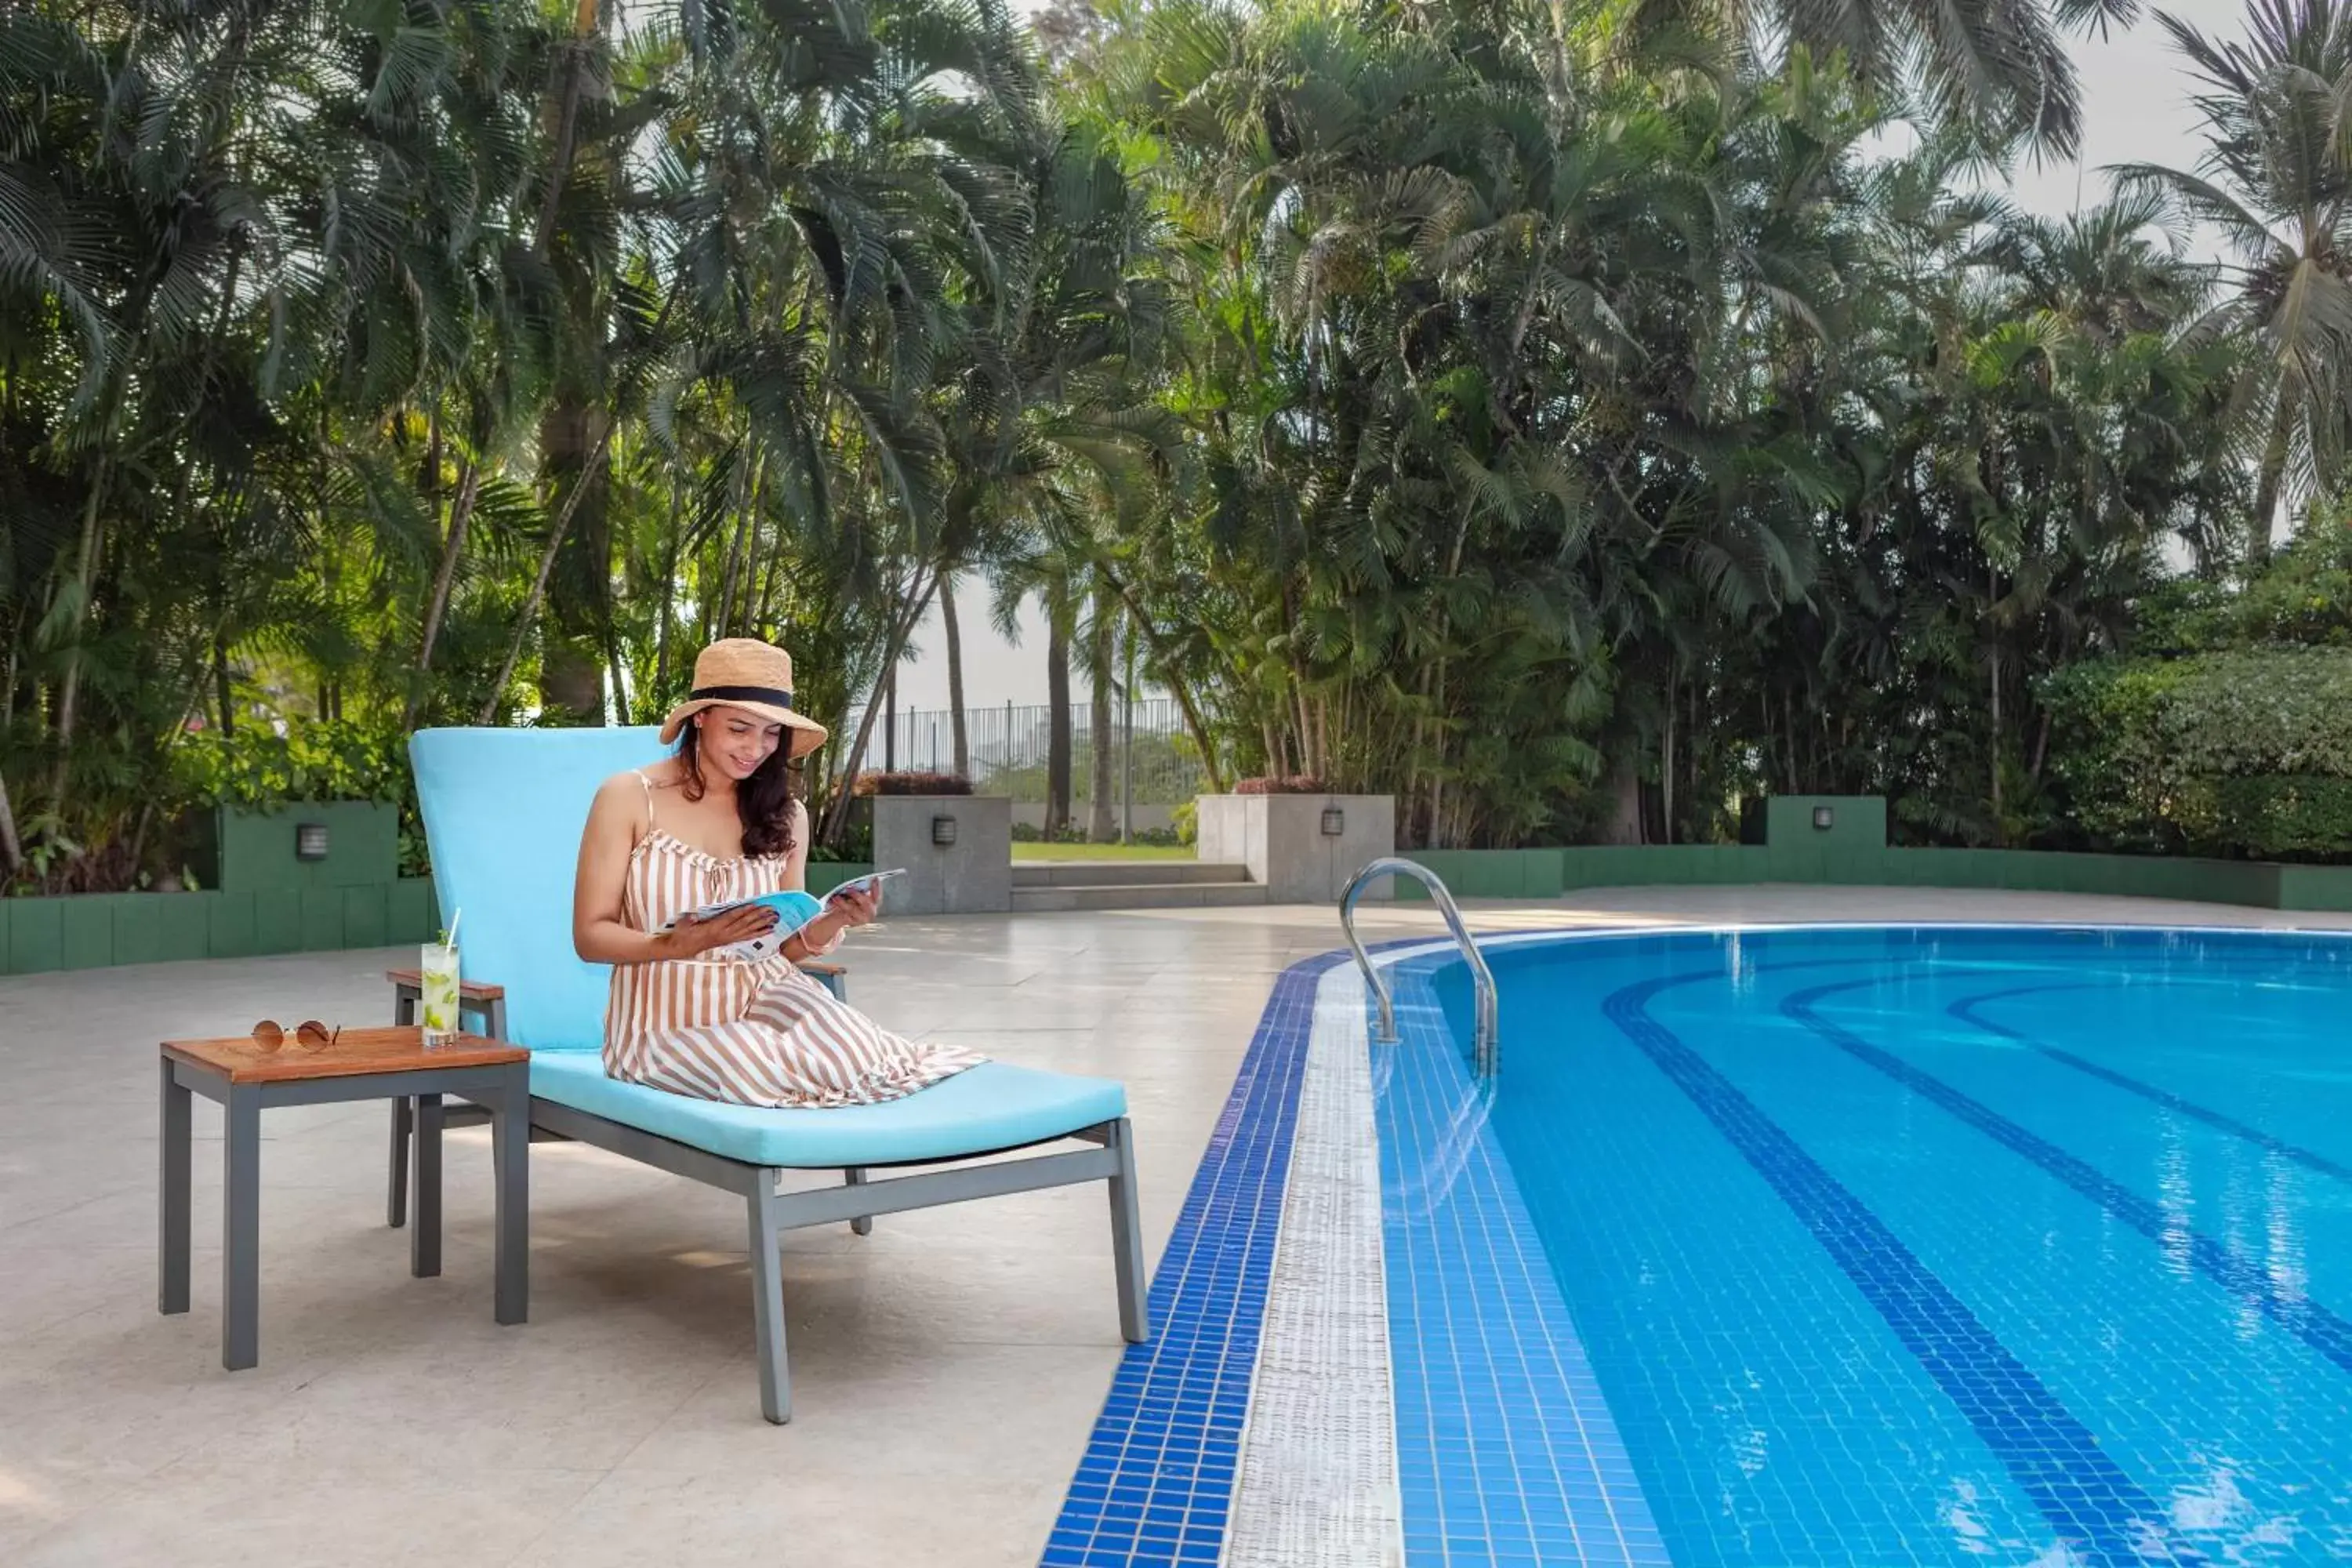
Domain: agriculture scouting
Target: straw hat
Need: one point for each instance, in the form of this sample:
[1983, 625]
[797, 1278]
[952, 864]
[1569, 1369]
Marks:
[744, 672]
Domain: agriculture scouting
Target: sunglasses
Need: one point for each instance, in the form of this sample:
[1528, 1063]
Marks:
[312, 1036]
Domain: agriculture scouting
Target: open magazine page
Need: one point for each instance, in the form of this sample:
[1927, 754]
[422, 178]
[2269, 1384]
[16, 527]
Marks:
[793, 911]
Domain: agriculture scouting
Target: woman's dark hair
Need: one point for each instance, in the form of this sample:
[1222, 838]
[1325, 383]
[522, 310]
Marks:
[763, 801]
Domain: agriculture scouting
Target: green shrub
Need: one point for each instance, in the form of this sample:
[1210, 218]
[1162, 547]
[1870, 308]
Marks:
[2283, 817]
[256, 767]
[2244, 753]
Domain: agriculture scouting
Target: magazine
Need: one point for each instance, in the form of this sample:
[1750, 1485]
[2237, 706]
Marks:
[793, 911]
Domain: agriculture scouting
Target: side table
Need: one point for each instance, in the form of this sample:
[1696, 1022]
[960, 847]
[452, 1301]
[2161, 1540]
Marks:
[362, 1064]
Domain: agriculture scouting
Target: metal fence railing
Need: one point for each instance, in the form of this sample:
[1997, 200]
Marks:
[1153, 760]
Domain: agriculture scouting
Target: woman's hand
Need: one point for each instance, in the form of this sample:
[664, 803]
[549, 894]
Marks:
[844, 906]
[855, 906]
[691, 936]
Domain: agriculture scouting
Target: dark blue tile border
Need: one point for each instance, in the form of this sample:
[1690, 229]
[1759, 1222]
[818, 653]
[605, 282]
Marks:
[1157, 1474]
[2322, 1330]
[1965, 1010]
[2106, 1516]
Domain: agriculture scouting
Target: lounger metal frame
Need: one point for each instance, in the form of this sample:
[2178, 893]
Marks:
[770, 1211]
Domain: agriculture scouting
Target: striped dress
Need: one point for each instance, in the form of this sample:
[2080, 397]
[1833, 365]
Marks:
[748, 1034]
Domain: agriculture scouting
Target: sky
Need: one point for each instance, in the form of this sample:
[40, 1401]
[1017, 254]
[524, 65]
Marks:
[2136, 109]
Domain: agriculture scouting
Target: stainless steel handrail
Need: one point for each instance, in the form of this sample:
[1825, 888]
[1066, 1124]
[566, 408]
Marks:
[1486, 1046]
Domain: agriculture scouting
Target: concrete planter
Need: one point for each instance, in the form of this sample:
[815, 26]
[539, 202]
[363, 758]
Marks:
[972, 876]
[1280, 838]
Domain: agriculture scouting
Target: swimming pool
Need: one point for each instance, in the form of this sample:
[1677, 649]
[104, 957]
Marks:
[1777, 1247]
[1889, 1245]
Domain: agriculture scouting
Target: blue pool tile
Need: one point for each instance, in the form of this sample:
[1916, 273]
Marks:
[1170, 1431]
[1501, 1431]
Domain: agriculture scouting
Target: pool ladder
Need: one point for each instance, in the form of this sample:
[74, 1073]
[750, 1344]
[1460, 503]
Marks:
[1486, 1047]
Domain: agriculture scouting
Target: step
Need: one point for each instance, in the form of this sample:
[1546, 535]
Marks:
[1144, 896]
[1122, 873]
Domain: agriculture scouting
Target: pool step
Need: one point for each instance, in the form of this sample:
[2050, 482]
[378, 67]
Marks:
[1121, 873]
[1161, 895]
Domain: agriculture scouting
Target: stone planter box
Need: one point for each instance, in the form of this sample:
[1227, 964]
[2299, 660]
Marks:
[1280, 838]
[971, 877]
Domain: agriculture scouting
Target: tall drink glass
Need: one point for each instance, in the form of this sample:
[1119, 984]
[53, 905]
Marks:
[438, 967]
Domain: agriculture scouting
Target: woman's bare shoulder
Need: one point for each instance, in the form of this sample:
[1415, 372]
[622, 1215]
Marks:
[632, 783]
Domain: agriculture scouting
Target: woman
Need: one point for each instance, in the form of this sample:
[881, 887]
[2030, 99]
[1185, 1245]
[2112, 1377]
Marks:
[716, 822]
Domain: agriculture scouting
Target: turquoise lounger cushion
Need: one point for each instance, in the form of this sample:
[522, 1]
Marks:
[993, 1106]
[503, 810]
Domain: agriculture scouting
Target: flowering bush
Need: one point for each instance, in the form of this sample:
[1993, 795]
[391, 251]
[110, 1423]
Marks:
[911, 784]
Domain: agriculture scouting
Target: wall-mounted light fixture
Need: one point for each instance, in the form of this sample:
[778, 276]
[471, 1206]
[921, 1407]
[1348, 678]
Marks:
[943, 831]
[1824, 818]
[310, 841]
[1334, 822]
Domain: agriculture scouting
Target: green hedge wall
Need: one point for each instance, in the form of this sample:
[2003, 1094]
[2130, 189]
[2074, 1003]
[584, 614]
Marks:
[1548, 873]
[2245, 752]
[96, 930]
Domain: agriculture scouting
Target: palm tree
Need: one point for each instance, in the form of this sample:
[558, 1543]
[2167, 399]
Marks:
[1997, 69]
[2276, 182]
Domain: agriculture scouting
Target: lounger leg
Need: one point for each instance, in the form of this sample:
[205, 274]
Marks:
[768, 1300]
[856, 1176]
[1127, 1238]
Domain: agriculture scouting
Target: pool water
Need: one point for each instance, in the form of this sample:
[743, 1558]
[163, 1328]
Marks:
[1978, 1246]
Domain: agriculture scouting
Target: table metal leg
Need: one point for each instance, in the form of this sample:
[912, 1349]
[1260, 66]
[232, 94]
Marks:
[241, 1230]
[424, 1205]
[396, 1185]
[510, 1153]
[174, 1180]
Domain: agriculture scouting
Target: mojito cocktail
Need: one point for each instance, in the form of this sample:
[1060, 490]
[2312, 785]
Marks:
[439, 992]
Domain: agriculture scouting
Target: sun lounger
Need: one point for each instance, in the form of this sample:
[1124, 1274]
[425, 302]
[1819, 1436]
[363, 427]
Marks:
[503, 812]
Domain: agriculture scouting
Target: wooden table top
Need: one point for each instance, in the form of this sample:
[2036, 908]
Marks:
[356, 1052]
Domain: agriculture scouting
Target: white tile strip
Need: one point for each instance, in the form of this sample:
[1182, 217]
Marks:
[1317, 1482]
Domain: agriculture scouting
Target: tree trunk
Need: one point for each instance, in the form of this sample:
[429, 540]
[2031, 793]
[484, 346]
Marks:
[1666, 773]
[11, 850]
[1102, 651]
[445, 579]
[85, 570]
[1058, 721]
[574, 437]
[947, 628]
[223, 688]
[667, 613]
[739, 548]
[1624, 787]
[1164, 667]
[2266, 490]
[539, 586]
[838, 815]
[1999, 837]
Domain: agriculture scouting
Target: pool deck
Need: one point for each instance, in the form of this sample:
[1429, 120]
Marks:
[948, 1368]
